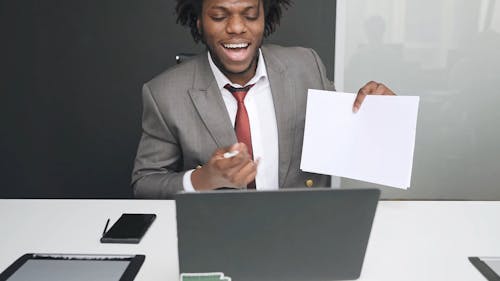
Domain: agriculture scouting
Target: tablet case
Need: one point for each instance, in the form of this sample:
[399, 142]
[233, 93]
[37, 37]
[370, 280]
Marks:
[129, 234]
[485, 270]
[129, 274]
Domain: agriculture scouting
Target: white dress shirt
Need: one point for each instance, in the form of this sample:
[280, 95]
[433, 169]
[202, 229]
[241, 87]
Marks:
[263, 127]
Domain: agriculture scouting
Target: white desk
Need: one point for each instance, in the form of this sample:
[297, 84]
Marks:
[409, 241]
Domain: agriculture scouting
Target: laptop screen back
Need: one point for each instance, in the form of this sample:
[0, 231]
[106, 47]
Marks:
[292, 234]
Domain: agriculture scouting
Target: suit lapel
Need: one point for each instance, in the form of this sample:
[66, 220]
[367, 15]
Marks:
[283, 93]
[208, 101]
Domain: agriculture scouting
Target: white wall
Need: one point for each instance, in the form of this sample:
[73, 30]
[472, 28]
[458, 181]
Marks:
[448, 53]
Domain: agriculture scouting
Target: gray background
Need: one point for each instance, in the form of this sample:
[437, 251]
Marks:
[70, 84]
[448, 53]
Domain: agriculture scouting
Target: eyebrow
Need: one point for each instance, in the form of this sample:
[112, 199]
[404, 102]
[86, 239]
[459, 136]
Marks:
[226, 9]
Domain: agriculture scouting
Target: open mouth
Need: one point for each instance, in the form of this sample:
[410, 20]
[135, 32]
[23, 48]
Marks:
[235, 46]
[236, 52]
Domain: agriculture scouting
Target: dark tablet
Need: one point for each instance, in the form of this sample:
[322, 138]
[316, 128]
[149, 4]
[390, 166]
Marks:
[59, 267]
[129, 228]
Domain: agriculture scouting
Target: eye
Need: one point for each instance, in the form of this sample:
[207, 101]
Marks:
[251, 15]
[218, 18]
[217, 15]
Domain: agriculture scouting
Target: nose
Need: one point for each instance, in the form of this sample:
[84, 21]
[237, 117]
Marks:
[235, 25]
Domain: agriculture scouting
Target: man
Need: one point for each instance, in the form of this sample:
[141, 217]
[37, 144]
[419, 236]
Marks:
[234, 116]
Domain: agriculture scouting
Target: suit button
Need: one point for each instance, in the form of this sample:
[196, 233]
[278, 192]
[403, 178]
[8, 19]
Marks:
[309, 183]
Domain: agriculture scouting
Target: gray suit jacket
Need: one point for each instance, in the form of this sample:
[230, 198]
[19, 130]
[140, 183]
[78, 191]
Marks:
[185, 120]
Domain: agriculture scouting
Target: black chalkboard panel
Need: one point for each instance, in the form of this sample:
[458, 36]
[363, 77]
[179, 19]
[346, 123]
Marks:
[70, 84]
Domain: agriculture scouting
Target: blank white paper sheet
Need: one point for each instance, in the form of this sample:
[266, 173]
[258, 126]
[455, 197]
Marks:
[375, 144]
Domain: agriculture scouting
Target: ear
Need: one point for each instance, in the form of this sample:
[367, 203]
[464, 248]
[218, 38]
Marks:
[198, 25]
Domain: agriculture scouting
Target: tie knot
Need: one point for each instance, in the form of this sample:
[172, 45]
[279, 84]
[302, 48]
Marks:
[239, 93]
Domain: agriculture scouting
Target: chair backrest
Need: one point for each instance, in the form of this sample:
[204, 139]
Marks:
[181, 57]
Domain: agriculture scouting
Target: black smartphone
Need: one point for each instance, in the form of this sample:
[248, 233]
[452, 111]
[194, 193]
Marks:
[129, 228]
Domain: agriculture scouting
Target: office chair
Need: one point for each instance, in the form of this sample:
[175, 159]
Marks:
[181, 57]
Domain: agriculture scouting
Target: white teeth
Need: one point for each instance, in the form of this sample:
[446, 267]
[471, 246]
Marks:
[236, 46]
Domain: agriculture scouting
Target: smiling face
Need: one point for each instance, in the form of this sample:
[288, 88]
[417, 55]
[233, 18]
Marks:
[233, 31]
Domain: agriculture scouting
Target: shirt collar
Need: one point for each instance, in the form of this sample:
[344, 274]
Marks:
[222, 80]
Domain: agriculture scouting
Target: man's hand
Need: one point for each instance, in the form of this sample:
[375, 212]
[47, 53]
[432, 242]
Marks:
[236, 171]
[371, 88]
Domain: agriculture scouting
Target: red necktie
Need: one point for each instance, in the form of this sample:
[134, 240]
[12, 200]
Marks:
[242, 124]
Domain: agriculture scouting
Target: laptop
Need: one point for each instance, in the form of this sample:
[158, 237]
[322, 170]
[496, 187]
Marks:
[290, 234]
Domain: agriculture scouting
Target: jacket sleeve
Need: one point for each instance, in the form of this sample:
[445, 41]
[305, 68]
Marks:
[156, 169]
[327, 84]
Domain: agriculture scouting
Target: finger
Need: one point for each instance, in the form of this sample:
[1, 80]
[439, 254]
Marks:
[245, 175]
[230, 169]
[236, 160]
[237, 147]
[384, 90]
[251, 177]
[219, 153]
[227, 165]
[242, 147]
[242, 157]
[230, 152]
[367, 89]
